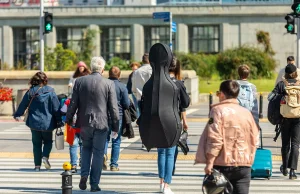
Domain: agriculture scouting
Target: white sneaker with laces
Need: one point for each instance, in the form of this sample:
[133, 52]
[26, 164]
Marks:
[168, 191]
[162, 187]
[46, 163]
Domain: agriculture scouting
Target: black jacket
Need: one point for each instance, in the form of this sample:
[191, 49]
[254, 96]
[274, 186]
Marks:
[129, 116]
[280, 87]
[129, 84]
[184, 97]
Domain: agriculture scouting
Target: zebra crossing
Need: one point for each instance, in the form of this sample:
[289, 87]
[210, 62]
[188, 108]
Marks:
[135, 176]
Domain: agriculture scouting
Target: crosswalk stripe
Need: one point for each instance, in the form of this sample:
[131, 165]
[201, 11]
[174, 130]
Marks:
[135, 176]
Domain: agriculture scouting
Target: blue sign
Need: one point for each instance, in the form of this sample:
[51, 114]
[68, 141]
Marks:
[174, 27]
[161, 15]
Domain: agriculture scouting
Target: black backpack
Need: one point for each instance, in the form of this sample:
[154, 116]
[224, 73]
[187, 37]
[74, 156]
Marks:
[274, 115]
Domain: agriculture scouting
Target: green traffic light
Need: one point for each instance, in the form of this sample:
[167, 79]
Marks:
[290, 27]
[48, 27]
[298, 9]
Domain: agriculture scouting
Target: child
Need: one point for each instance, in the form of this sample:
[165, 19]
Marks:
[73, 138]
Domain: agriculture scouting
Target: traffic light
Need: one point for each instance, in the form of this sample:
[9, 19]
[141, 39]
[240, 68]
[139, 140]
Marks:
[48, 22]
[296, 7]
[290, 23]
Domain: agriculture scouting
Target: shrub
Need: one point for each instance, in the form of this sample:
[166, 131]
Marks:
[262, 64]
[203, 64]
[116, 61]
[6, 94]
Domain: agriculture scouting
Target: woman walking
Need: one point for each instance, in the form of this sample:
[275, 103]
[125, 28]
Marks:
[166, 156]
[42, 106]
[81, 70]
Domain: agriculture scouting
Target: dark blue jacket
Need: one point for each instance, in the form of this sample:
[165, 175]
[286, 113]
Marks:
[122, 96]
[44, 111]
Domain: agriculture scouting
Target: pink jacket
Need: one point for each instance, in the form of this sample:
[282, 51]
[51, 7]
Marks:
[230, 135]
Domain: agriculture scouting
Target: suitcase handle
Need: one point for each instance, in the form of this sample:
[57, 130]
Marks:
[261, 139]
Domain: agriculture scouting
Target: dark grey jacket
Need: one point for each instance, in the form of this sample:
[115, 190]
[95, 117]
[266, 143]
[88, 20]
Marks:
[94, 97]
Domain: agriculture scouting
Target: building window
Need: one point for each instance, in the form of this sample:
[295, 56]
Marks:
[71, 38]
[204, 39]
[158, 34]
[115, 42]
[26, 47]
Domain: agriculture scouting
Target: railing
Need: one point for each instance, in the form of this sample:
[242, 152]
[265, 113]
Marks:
[77, 3]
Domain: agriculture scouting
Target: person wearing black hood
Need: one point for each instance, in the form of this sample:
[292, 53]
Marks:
[290, 132]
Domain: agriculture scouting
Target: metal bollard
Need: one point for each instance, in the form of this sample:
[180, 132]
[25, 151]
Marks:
[261, 106]
[66, 187]
[210, 101]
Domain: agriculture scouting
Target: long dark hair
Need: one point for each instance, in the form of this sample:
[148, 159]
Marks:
[79, 74]
[175, 68]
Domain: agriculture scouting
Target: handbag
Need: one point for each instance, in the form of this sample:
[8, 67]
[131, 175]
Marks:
[59, 139]
[27, 109]
[216, 183]
[182, 143]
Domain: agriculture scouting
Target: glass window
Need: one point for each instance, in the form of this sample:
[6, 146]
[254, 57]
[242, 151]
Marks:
[205, 39]
[71, 38]
[155, 34]
[115, 42]
[26, 46]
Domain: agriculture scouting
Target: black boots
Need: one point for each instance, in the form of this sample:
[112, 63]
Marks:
[292, 174]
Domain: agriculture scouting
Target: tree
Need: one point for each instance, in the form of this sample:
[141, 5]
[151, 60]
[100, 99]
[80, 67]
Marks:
[87, 45]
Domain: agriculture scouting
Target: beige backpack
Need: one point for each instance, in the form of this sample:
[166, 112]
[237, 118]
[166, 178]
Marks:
[290, 104]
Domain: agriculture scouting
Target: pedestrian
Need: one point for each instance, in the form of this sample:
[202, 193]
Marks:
[44, 116]
[228, 142]
[248, 93]
[281, 74]
[290, 128]
[73, 138]
[93, 98]
[175, 74]
[123, 103]
[139, 78]
[166, 156]
[134, 66]
[81, 70]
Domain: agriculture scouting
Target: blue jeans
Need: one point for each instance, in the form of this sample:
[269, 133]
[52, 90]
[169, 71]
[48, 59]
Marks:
[115, 146]
[165, 162]
[93, 144]
[135, 102]
[74, 148]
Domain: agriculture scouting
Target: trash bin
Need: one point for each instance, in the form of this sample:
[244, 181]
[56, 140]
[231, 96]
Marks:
[20, 94]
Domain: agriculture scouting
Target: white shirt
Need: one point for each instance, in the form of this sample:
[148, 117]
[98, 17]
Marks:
[139, 78]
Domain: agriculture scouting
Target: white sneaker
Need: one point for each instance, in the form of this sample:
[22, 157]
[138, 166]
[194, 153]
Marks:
[162, 187]
[46, 163]
[168, 191]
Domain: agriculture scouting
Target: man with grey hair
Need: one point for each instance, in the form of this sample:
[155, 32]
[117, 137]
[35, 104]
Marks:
[94, 97]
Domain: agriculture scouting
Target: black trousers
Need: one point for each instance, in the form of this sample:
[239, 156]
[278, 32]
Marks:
[239, 177]
[290, 136]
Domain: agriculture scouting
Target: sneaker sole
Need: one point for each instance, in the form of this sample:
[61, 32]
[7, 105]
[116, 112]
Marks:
[47, 166]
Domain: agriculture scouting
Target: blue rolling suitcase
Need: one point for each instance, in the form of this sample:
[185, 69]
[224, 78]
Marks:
[262, 166]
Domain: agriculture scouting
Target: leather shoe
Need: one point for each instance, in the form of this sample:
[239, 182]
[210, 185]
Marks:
[292, 174]
[82, 183]
[284, 171]
[95, 188]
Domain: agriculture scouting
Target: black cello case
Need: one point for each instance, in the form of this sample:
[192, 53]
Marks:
[160, 125]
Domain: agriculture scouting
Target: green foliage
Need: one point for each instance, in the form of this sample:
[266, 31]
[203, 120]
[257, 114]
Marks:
[88, 46]
[260, 63]
[116, 61]
[264, 39]
[59, 59]
[203, 64]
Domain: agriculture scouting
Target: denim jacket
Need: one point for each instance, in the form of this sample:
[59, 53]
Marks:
[44, 112]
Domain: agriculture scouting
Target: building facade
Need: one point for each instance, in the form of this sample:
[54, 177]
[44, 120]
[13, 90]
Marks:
[129, 31]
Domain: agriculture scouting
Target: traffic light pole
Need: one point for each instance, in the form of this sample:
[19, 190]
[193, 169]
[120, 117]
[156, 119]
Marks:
[41, 36]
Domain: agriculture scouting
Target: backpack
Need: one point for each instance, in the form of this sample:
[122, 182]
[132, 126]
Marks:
[245, 97]
[274, 115]
[290, 103]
